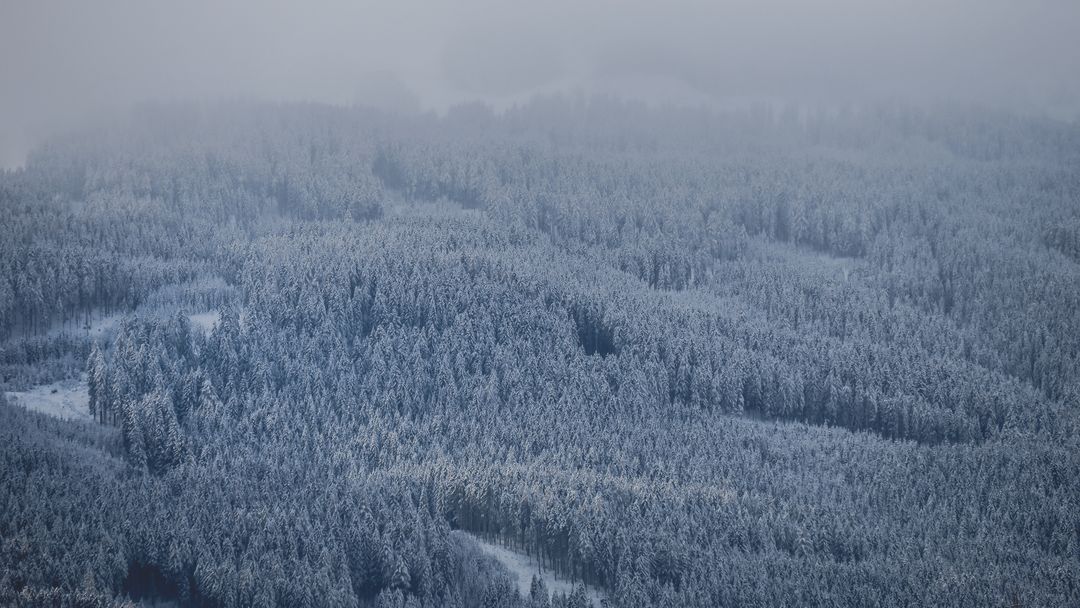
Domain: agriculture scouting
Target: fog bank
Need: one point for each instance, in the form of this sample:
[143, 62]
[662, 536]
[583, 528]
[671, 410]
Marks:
[64, 60]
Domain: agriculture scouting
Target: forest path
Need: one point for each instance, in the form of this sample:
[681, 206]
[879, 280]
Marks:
[522, 568]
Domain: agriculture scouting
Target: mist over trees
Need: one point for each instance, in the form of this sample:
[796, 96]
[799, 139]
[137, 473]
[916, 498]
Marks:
[756, 357]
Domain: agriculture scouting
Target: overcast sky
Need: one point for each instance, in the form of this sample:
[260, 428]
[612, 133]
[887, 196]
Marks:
[63, 60]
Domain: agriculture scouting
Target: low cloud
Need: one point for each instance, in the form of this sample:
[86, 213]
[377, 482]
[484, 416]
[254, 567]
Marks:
[63, 60]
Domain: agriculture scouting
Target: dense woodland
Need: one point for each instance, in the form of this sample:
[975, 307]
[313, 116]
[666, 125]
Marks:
[759, 357]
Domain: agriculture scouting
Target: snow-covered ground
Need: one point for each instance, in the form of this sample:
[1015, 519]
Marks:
[205, 320]
[522, 567]
[67, 399]
[101, 326]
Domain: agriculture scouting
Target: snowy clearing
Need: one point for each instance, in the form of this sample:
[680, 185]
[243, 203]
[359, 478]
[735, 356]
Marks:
[67, 399]
[522, 567]
[206, 321]
[102, 326]
[99, 326]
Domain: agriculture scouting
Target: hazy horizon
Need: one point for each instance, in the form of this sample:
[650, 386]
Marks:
[64, 62]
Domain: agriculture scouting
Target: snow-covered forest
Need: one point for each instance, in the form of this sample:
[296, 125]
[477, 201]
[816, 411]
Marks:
[766, 356]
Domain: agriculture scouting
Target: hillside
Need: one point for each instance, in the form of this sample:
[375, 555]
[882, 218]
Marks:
[680, 357]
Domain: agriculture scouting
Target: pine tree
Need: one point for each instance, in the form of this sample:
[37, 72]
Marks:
[400, 578]
[96, 377]
[538, 592]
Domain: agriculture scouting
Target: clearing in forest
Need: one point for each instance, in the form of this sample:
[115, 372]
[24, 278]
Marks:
[523, 567]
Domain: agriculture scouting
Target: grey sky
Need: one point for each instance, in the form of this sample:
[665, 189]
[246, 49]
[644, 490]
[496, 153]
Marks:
[61, 60]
